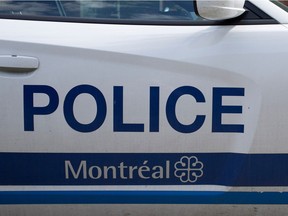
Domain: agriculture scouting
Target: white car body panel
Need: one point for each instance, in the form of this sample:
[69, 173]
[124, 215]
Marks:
[251, 58]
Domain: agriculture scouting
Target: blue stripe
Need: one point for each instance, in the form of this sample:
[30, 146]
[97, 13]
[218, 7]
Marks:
[141, 197]
[227, 169]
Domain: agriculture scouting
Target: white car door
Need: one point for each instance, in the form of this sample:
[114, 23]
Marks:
[110, 102]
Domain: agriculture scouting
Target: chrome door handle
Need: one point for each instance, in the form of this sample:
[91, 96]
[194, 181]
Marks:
[18, 64]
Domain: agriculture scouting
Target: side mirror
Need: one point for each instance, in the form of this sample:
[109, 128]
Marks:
[219, 9]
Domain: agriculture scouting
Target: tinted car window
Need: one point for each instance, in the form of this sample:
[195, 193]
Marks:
[137, 10]
[32, 8]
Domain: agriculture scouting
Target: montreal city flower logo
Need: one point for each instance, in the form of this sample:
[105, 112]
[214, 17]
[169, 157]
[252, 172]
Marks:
[188, 169]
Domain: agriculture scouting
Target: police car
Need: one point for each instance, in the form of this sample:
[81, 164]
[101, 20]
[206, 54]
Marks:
[148, 107]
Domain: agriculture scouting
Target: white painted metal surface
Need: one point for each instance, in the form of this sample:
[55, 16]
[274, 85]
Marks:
[144, 67]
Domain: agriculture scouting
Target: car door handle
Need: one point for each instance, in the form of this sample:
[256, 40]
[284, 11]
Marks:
[18, 64]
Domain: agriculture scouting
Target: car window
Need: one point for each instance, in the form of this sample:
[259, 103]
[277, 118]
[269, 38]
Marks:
[136, 10]
[120, 11]
[31, 8]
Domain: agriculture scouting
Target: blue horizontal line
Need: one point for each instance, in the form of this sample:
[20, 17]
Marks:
[141, 197]
[226, 169]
